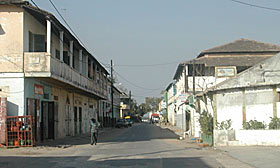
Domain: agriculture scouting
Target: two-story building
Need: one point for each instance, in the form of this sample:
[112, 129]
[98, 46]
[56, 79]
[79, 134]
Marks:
[210, 68]
[46, 72]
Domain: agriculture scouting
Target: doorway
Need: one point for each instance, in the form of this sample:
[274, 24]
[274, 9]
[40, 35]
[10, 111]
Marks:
[33, 109]
[80, 120]
[67, 119]
[48, 120]
[75, 120]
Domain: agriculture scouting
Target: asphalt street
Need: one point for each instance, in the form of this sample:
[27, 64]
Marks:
[142, 145]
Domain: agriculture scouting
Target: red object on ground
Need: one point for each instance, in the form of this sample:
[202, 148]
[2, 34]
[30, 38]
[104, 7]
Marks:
[19, 131]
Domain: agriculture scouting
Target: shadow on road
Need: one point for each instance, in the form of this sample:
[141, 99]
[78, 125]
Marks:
[86, 161]
[138, 132]
[141, 132]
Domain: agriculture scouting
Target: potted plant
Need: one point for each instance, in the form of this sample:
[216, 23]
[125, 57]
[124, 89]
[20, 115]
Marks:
[206, 124]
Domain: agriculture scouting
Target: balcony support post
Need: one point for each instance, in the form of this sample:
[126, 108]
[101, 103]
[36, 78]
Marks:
[91, 68]
[87, 66]
[49, 29]
[81, 61]
[61, 45]
[71, 54]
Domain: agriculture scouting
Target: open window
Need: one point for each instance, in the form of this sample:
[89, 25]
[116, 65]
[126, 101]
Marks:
[37, 42]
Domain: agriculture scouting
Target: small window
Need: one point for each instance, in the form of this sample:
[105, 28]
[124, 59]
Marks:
[57, 54]
[66, 58]
[278, 97]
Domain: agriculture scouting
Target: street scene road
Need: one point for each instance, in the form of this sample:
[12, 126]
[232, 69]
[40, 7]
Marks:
[142, 145]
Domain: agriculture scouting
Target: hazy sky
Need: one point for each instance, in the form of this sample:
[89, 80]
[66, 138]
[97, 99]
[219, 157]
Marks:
[151, 32]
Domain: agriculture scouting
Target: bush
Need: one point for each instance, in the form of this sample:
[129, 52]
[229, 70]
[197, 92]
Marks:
[253, 125]
[274, 123]
[206, 123]
[224, 125]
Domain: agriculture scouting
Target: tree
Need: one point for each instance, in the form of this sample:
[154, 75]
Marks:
[152, 104]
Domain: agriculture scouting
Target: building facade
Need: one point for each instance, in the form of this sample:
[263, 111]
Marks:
[211, 67]
[45, 72]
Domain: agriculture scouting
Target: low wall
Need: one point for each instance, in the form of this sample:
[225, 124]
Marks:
[222, 137]
[247, 138]
[258, 137]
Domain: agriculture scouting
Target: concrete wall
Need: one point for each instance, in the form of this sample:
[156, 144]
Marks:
[12, 86]
[229, 106]
[246, 137]
[256, 104]
[259, 105]
[11, 39]
[258, 137]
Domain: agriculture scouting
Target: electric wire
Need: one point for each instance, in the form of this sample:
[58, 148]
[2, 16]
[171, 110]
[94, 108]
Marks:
[54, 6]
[256, 6]
[147, 65]
[66, 22]
[70, 29]
[134, 83]
[34, 4]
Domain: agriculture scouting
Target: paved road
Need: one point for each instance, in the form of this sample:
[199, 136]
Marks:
[258, 156]
[143, 145]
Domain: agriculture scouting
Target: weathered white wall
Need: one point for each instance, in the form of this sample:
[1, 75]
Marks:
[259, 105]
[11, 39]
[229, 106]
[12, 85]
[204, 82]
[258, 137]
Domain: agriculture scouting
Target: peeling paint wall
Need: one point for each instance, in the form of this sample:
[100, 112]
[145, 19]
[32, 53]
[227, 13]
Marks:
[11, 39]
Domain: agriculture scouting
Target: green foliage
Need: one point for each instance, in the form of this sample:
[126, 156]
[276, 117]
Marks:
[206, 123]
[274, 123]
[151, 103]
[254, 125]
[224, 125]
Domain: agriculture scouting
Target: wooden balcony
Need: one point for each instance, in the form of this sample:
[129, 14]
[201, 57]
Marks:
[42, 65]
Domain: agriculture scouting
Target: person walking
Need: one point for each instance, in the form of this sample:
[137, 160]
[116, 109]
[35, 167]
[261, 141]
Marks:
[94, 131]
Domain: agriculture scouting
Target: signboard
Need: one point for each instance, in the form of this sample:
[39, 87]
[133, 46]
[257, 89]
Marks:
[163, 105]
[222, 72]
[39, 89]
[183, 97]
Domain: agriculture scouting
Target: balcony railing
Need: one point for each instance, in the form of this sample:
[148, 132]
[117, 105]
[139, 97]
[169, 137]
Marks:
[41, 64]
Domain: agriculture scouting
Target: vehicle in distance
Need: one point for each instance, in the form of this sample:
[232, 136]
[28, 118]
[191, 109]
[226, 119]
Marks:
[155, 118]
[121, 123]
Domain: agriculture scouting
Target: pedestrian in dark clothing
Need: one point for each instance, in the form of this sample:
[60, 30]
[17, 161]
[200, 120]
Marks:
[94, 130]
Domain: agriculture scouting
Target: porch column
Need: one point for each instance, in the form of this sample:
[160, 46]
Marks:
[275, 99]
[244, 105]
[49, 29]
[91, 68]
[86, 65]
[71, 54]
[96, 72]
[81, 61]
[61, 45]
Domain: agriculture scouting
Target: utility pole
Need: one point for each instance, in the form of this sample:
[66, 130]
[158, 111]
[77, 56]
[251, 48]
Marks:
[130, 102]
[112, 94]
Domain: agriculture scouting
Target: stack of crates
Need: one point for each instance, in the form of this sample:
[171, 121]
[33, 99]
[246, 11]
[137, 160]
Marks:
[19, 131]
